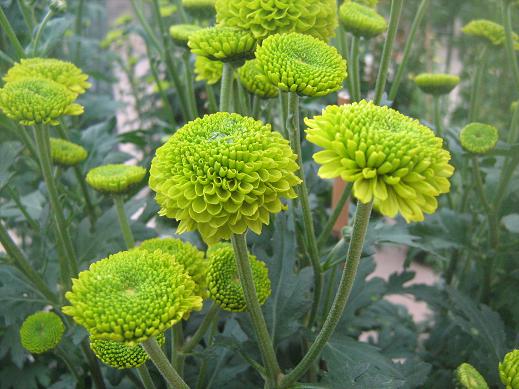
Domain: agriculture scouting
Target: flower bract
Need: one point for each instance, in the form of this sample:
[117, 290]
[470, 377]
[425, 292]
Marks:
[41, 331]
[115, 178]
[226, 44]
[509, 370]
[361, 20]
[252, 78]
[436, 83]
[66, 153]
[207, 70]
[479, 138]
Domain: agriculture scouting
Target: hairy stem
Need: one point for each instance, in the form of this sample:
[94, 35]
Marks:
[36, 41]
[506, 11]
[123, 221]
[437, 116]
[355, 69]
[475, 95]
[145, 376]
[201, 330]
[325, 234]
[8, 29]
[226, 88]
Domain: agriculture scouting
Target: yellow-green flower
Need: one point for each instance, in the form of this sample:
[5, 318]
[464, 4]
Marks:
[436, 83]
[62, 72]
[223, 281]
[226, 44]
[361, 20]
[131, 296]
[180, 33]
[390, 158]
[489, 32]
[167, 10]
[266, 17]
[112, 36]
[467, 377]
[252, 78]
[66, 153]
[207, 70]
[301, 63]
[41, 331]
[479, 138]
[199, 7]
[37, 101]
[222, 174]
[116, 178]
[509, 370]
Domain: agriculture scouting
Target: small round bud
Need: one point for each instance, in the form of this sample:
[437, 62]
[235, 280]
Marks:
[436, 84]
[226, 44]
[66, 153]
[479, 138]
[361, 20]
[41, 331]
[117, 178]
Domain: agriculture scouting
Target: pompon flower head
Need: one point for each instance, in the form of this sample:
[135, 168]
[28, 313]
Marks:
[390, 158]
[131, 296]
[436, 83]
[361, 20]
[301, 64]
[222, 174]
[223, 281]
[66, 153]
[116, 178]
[119, 355]
[263, 18]
[41, 331]
[509, 370]
[467, 377]
[37, 101]
[489, 32]
[199, 7]
[252, 78]
[62, 72]
[226, 44]
[207, 70]
[479, 138]
[184, 253]
[180, 33]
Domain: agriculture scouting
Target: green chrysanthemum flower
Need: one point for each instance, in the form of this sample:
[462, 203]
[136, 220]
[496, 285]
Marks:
[254, 81]
[361, 20]
[436, 84]
[390, 158]
[117, 178]
[467, 377]
[180, 33]
[222, 174]
[62, 72]
[167, 10]
[120, 355]
[199, 7]
[263, 18]
[223, 281]
[207, 70]
[490, 32]
[301, 64]
[131, 296]
[509, 370]
[66, 153]
[479, 138]
[41, 331]
[186, 254]
[226, 44]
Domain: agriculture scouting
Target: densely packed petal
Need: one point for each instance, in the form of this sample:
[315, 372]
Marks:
[226, 44]
[479, 138]
[489, 32]
[41, 331]
[509, 370]
[66, 153]
[361, 20]
[436, 83]
[115, 178]
[252, 78]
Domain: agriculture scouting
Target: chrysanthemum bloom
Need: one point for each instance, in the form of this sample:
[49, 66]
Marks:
[199, 7]
[117, 178]
[224, 283]
[479, 138]
[252, 78]
[62, 72]
[436, 83]
[467, 377]
[361, 20]
[226, 44]
[41, 331]
[489, 32]
[66, 153]
[120, 355]
[390, 158]
[131, 296]
[37, 101]
[180, 33]
[222, 174]
[207, 70]
[301, 64]
[263, 18]
[509, 370]
[184, 253]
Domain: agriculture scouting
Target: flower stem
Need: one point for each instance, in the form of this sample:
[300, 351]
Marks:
[8, 29]
[93, 364]
[256, 107]
[334, 216]
[177, 341]
[283, 112]
[396, 10]
[190, 90]
[123, 221]
[355, 70]
[78, 27]
[226, 88]
[26, 14]
[212, 106]
[437, 116]
[506, 10]
[35, 42]
[88, 201]
[253, 307]
[64, 357]
[360, 227]
[201, 330]
[475, 95]
[160, 360]
[146, 379]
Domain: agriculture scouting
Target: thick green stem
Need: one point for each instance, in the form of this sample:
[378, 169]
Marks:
[123, 221]
[226, 88]
[325, 234]
[26, 14]
[177, 358]
[201, 330]
[16, 198]
[145, 376]
[253, 307]
[396, 10]
[479, 184]
[160, 360]
[86, 195]
[8, 29]
[93, 364]
[475, 95]
[190, 84]
[407, 49]
[506, 9]
[36, 41]
[437, 116]
[283, 112]
[212, 105]
[360, 227]
[256, 107]
[355, 69]
[78, 29]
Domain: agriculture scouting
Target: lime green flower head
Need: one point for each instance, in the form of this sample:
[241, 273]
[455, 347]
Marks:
[301, 64]
[41, 331]
[266, 17]
[120, 355]
[390, 158]
[223, 281]
[186, 254]
[167, 10]
[37, 101]
[479, 138]
[117, 178]
[207, 70]
[509, 370]
[199, 7]
[62, 72]
[436, 84]
[222, 174]
[131, 296]
[489, 32]
[226, 44]
[66, 153]
[361, 20]
[252, 78]
[467, 377]
[180, 33]
[112, 37]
